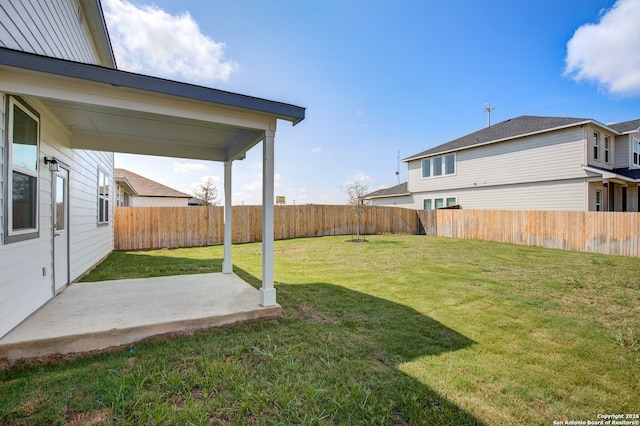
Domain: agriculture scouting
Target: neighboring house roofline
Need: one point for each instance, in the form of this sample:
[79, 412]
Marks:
[531, 125]
[399, 190]
[629, 175]
[144, 187]
[626, 127]
[99, 32]
[124, 182]
[100, 74]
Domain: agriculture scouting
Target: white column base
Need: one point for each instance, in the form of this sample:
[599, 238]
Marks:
[268, 297]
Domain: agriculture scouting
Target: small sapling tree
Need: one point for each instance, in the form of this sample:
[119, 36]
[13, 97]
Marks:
[355, 192]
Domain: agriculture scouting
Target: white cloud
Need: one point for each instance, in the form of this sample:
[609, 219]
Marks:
[146, 39]
[608, 52]
[315, 150]
[188, 167]
[358, 176]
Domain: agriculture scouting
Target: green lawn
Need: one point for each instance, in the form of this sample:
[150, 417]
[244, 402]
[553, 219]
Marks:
[399, 330]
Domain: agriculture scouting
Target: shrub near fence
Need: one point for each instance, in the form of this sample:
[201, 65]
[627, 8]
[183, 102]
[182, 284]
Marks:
[169, 227]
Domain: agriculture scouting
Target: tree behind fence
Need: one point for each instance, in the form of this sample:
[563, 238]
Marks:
[169, 227]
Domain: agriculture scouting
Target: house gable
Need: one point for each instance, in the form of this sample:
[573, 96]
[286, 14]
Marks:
[66, 29]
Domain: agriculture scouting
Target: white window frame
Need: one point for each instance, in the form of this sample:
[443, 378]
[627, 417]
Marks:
[635, 152]
[607, 142]
[598, 200]
[12, 235]
[432, 202]
[429, 166]
[596, 145]
[104, 201]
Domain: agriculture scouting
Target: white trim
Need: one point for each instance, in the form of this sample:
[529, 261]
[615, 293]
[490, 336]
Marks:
[443, 166]
[227, 263]
[267, 292]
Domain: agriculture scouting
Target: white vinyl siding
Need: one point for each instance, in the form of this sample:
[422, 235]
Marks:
[404, 201]
[2, 183]
[27, 266]
[547, 157]
[55, 28]
[622, 152]
[562, 195]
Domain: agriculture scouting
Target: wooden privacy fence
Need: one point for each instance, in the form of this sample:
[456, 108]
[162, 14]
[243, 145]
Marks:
[595, 232]
[168, 227]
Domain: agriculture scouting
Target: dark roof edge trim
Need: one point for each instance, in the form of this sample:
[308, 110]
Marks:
[95, 73]
[371, 197]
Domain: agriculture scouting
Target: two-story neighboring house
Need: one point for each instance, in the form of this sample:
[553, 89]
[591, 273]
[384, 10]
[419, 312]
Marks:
[527, 163]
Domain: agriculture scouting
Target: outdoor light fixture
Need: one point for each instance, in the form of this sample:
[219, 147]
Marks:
[52, 162]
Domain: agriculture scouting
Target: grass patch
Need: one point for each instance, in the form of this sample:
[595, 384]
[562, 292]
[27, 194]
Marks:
[400, 330]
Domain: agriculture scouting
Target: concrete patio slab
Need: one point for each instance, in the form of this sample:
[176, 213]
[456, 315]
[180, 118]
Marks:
[98, 315]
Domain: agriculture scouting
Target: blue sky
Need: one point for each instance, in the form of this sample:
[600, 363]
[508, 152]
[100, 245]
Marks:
[378, 77]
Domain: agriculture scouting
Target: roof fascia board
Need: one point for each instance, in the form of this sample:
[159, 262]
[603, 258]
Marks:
[124, 182]
[117, 78]
[36, 84]
[388, 196]
[523, 135]
[608, 175]
[98, 28]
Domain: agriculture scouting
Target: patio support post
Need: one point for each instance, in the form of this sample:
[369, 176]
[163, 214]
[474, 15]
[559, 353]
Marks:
[267, 292]
[227, 264]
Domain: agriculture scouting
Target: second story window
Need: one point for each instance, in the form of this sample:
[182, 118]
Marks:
[596, 145]
[606, 149]
[636, 152]
[439, 166]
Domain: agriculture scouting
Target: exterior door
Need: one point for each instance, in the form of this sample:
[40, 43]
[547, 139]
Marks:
[60, 229]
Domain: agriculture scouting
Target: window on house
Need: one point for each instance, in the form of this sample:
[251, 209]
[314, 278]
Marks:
[426, 168]
[451, 201]
[439, 203]
[636, 152]
[22, 171]
[450, 164]
[438, 166]
[596, 145]
[427, 205]
[606, 149]
[598, 201]
[103, 197]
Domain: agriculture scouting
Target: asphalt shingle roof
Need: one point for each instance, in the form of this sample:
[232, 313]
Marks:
[146, 187]
[507, 129]
[626, 126]
[400, 189]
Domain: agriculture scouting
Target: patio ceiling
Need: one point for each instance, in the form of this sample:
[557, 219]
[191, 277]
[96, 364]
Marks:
[116, 111]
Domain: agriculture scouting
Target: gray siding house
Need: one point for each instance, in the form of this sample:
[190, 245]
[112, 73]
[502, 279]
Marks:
[527, 163]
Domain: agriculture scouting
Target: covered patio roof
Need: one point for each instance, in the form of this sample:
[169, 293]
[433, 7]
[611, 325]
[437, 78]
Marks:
[118, 111]
[105, 109]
